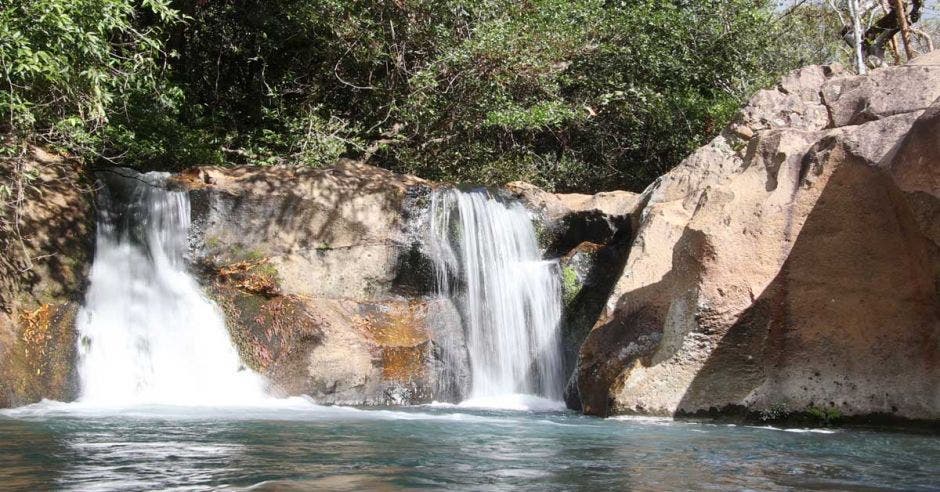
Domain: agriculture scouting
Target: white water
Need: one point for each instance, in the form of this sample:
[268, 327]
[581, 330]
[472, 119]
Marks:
[509, 297]
[147, 334]
[515, 402]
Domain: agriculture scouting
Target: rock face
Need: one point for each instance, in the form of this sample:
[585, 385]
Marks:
[328, 291]
[43, 266]
[790, 266]
[322, 281]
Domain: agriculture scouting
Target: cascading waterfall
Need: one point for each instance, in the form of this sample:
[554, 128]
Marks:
[147, 334]
[509, 297]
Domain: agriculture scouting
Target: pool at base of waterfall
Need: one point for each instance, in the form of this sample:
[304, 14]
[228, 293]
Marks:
[295, 445]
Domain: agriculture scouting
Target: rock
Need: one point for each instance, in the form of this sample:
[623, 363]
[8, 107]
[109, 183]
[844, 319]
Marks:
[39, 362]
[343, 226]
[324, 284]
[854, 100]
[914, 166]
[590, 234]
[794, 103]
[567, 220]
[797, 277]
[932, 58]
[327, 289]
[557, 205]
[805, 82]
[589, 272]
[43, 267]
[776, 109]
[742, 131]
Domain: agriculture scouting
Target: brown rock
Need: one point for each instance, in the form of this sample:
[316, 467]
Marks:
[343, 226]
[557, 205]
[43, 264]
[889, 91]
[795, 103]
[323, 283]
[932, 58]
[915, 164]
[801, 276]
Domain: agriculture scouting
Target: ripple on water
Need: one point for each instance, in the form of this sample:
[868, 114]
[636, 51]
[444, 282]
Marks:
[302, 446]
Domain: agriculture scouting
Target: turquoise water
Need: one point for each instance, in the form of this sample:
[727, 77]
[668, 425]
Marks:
[303, 447]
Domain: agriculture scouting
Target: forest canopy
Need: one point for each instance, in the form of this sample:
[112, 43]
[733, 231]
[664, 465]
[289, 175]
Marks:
[571, 95]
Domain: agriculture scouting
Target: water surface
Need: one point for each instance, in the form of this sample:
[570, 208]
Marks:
[299, 446]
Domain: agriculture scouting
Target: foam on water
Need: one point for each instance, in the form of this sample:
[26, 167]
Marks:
[271, 409]
[794, 429]
[515, 402]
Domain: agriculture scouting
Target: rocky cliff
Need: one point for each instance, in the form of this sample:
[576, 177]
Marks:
[320, 280]
[327, 286]
[46, 240]
[791, 265]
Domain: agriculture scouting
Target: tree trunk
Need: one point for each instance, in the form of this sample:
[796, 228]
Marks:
[905, 28]
[857, 36]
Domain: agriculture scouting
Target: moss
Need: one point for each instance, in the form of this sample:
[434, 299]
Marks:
[238, 253]
[266, 270]
[543, 235]
[824, 415]
[254, 255]
[570, 284]
[254, 276]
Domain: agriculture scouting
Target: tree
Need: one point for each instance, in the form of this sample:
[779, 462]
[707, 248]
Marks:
[570, 94]
[581, 94]
[871, 28]
[68, 64]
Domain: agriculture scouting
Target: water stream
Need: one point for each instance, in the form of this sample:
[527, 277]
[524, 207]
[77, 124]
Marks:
[429, 448]
[486, 254]
[147, 334]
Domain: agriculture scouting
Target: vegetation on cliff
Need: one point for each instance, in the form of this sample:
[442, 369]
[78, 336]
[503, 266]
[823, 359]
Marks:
[572, 95]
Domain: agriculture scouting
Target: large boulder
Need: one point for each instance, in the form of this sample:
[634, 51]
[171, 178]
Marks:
[323, 282]
[788, 267]
[46, 244]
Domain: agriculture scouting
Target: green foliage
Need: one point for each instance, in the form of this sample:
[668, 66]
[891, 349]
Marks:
[810, 33]
[571, 95]
[68, 65]
[824, 415]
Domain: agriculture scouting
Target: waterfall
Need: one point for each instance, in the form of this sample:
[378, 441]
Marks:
[147, 334]
[486, 254]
